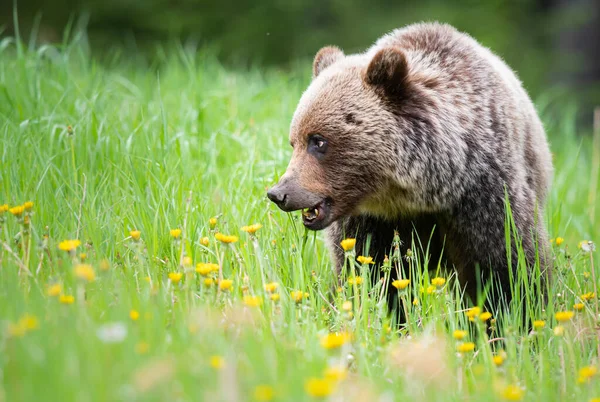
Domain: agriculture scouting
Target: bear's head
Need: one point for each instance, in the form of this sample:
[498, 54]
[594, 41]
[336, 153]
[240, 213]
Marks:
[345, 152]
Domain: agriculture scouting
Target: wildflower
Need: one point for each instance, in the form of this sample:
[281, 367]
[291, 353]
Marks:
[206, 268]
[347, 305]
[466, 347]
[559, 330]
[204, 241]
[252, 228]
[298, 295]
[473, 312]
[498, 359]
[175, 277]
[335, 340]
[252, 301]
[459, 334]
[564, 316]
[271, 287]
[512, 393]
[28, 206]
[208, 282]
[69, 245]
[83, 256]
[227, 239]
[539, 324]
[348, 244]
[586, 246]
[355, 280]
[275, 297]
[559, 241]
[578, 306]
[66, 299]
[588, 296]
[54, 290]
[141, 348]
[430, 289]
[134, 315]
[187, 261]
[175, 233]
[365, 260]
[401, 284]
[485, 316]
[335, 373]
[135, 234]
[212, 222]
[263, 393]
[319, 387]
[104, 265]
[217, 362]
[85, 272]
[438, 282]
[17, 211]
[415, 302]
[586, 373]
[3, 208]
[225, 284]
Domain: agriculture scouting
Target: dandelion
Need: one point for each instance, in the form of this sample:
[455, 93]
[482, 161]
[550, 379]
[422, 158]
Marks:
[498, 359]
[69, 245]
[438, 282]
[85, 272]
[17, 211]
[355, 280]
[252, 301]
[473, 312]
[335, 340]
[135, 234]
[3, 208]
[275, 297]
[512, 393]
[209, 282]
[141, 348]
[559, 330]
[66, 299]
[465, 347]
[134, 315]
[227, 239]
[319, 387]
[485, 316]
[564, 316]
[251, 228]
[586, 373]
[365, 260]
[175, 277]
[206, 268]
[204, 241]
[28, 206]
[335, 373]
[558, 241]
[588, 296]
[271, 287]
[187, 261]
[415, 302]
[83, 256]
[212, 222]
[217, 362]
[54, 290]
[347, 305]
[225, 284]
[104, 265]
[459, 334]
[263, 393]
[578, 306]
[298, 295]
[348, 244]
[401, 284]
[175, 233]
[587, 246]
[430, 289]
[539, 324]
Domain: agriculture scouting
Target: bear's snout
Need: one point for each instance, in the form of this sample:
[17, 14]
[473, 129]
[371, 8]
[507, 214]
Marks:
[289, 196]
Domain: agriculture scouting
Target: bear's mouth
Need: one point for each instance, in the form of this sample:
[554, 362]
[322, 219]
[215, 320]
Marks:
[317, 216]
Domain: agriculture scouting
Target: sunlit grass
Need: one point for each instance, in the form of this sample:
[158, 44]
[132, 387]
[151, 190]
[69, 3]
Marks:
[141, 260]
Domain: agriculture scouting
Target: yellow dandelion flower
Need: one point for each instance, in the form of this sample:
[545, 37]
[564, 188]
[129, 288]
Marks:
[512, 393]
[335, 340]
[135, 234]
[54, 290]
[206, 268]
[465, 347]
[355, 280]
[85, 272]
[588, 296]
[438, 282]
[3, 208]
[28, 206]
[401, 284]
[175, 233]
[217, 362]
[430, 289]
[209, 281]
[225, 284]
[175, 277]
[204, 241]
[275, 297]
[251, 228]
[365, 260]
[498, 360]
[187, 261]
[69, 245]
[485, 316]
[586, 373]
[559, 241]
[594, 400]
[559, 330]
[66, 299]
[335, 373]
[134, 315]
[212, 222]
[83, 256]
[578, 306]
[271, 287]
[347, 305]
[348, 244]
[29, 322]
[298, 295]
[17, 211]
[252, 301]
[564, 316]
[472, 313]
[263, 393]
[104, 265]
[319, 387]
[227, 239]
[141, 348]
[459, 334]
[415, 302]
[539, 324]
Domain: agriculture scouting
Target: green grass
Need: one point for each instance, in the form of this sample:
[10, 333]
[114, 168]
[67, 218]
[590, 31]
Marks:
[170, 144]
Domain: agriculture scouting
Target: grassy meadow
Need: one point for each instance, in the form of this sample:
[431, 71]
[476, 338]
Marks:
[152, 170]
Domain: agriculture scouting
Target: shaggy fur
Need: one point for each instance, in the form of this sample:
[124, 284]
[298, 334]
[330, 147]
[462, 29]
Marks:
[425, 131]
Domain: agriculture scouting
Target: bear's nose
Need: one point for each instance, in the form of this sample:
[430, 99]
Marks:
[276, 195]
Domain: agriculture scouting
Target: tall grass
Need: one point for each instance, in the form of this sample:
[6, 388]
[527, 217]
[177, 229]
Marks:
[105, 148]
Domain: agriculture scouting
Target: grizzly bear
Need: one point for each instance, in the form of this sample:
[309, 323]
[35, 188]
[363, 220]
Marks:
[427, 134]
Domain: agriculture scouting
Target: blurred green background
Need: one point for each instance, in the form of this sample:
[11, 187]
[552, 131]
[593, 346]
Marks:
[554, 45]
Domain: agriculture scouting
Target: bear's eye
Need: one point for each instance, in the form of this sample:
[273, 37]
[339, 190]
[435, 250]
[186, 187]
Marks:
[317, 145]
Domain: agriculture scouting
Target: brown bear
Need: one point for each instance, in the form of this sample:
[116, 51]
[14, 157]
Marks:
[427, 133]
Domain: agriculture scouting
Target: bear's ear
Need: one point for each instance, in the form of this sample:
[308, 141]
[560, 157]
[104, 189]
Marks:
[326, 57]
[388, 70]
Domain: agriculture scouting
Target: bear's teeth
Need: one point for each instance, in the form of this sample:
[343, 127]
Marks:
[316, 211]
